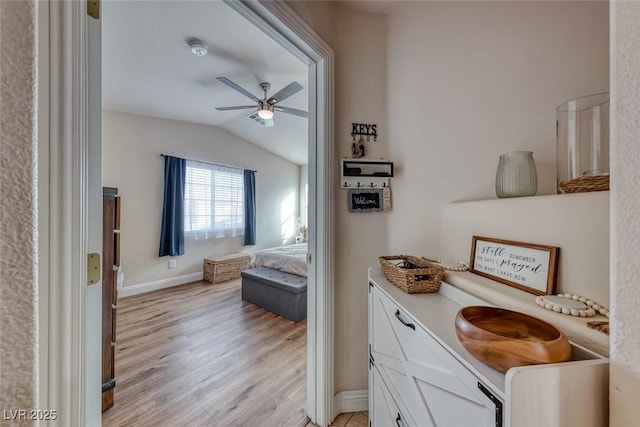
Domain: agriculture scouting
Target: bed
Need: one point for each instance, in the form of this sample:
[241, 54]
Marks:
[289, 258]
[276, 279]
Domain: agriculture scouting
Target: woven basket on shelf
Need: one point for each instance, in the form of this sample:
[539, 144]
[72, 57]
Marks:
[414, 275]
[586, 184]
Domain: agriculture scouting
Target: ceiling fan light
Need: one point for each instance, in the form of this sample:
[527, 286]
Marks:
[265, 114]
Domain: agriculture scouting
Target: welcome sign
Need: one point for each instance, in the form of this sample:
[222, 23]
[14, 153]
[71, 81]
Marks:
[526, 266]
[365, 200]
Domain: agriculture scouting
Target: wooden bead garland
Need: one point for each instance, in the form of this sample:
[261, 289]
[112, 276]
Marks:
[448, 265]
[591, 308]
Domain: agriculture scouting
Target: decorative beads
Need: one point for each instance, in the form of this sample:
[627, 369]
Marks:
[591, 308]
[448, 265]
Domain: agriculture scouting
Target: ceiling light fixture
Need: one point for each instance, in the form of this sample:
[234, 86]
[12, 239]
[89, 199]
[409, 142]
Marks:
[265, 112]
[198, 48]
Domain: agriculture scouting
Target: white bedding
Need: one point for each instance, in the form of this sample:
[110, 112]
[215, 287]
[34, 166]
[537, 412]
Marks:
[289, 258]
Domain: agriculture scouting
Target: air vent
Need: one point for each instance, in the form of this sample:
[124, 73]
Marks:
[254, 116]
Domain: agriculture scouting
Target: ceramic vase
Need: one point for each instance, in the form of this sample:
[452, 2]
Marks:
[516, 175]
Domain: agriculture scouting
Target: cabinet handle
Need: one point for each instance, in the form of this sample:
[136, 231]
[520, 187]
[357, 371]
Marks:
[398, 419]
[404, 322]
[498, 411]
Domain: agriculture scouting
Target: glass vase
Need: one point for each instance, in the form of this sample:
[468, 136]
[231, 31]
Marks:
[516, 175]
[582, 144]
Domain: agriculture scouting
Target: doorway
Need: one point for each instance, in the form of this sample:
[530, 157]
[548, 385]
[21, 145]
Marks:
[67, 32]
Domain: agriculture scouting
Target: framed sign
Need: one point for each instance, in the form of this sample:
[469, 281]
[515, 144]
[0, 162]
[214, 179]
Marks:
[530, 267]
[365, 200]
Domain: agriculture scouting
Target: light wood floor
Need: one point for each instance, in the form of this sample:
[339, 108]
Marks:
[197, 355]
[350, 419]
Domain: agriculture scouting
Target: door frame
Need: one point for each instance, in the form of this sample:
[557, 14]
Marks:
[63, 290]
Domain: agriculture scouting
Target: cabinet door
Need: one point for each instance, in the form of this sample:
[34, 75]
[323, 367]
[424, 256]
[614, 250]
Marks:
[430, 387]
[383, 411]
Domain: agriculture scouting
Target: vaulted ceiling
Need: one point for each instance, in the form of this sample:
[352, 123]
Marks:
[148, 69]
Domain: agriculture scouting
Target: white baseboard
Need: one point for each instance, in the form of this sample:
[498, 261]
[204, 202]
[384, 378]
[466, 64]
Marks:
[142, 288]
[351, 401]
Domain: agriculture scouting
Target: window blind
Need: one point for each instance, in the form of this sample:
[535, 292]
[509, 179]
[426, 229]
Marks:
[213, 201]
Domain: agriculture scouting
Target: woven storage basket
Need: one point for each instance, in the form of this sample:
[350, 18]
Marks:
[226, 267]
[585, 184]
[420, 277]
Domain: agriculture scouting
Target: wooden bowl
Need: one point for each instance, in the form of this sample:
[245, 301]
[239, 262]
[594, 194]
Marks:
[503, 338]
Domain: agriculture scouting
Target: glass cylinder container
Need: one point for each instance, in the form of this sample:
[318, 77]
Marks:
[582, 143]
[516, 175]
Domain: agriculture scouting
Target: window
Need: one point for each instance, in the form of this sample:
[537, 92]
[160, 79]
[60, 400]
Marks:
[213, 201]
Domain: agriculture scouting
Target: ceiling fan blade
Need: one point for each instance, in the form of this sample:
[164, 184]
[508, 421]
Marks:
[238, 107]
[285, 92]
[293, 111]
[238, 88]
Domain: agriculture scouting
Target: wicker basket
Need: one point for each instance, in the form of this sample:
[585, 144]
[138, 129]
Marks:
[226, 267]
[414, 275]
[586, 184]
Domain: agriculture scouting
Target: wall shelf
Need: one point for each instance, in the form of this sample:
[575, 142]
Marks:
[365, 173]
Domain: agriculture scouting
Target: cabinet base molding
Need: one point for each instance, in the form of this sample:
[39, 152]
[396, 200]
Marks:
[351, 401]
[142, 288]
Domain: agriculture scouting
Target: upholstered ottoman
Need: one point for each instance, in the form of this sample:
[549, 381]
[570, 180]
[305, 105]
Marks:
[277, 291]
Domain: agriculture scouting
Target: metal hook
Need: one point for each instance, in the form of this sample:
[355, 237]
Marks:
[346, 184]
[372, 185]
[359, 185]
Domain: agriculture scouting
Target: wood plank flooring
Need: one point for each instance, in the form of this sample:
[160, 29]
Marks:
[197, 355]
[349, 419]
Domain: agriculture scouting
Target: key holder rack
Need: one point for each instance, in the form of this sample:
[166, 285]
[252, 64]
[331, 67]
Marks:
[364, 130]
[365, 173]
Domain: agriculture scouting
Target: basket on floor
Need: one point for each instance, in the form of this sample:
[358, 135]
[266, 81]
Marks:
[414, 275]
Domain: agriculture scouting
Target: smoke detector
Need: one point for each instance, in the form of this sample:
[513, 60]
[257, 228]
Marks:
[198, 48]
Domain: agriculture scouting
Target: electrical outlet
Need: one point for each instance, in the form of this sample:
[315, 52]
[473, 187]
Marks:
[172, 263]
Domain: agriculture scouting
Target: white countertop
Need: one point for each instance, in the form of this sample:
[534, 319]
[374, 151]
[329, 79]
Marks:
[436, 312]
[501, 295]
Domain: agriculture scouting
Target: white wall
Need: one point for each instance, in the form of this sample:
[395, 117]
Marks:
[361, 97]
[132, 145]
[452, 86]
[358, 39]
[576, 223]
[625, 214]
[18, 209]
[473, 80]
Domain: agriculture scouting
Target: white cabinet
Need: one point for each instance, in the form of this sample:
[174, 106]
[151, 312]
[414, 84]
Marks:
[382, 407]
[422, 376]
[430, 387]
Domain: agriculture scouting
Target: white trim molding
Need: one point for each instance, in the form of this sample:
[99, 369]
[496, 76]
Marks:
[351, 401]
[142, 288]
[68, 158]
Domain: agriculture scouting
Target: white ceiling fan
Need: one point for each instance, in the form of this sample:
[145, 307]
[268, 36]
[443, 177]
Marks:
[265, 107]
